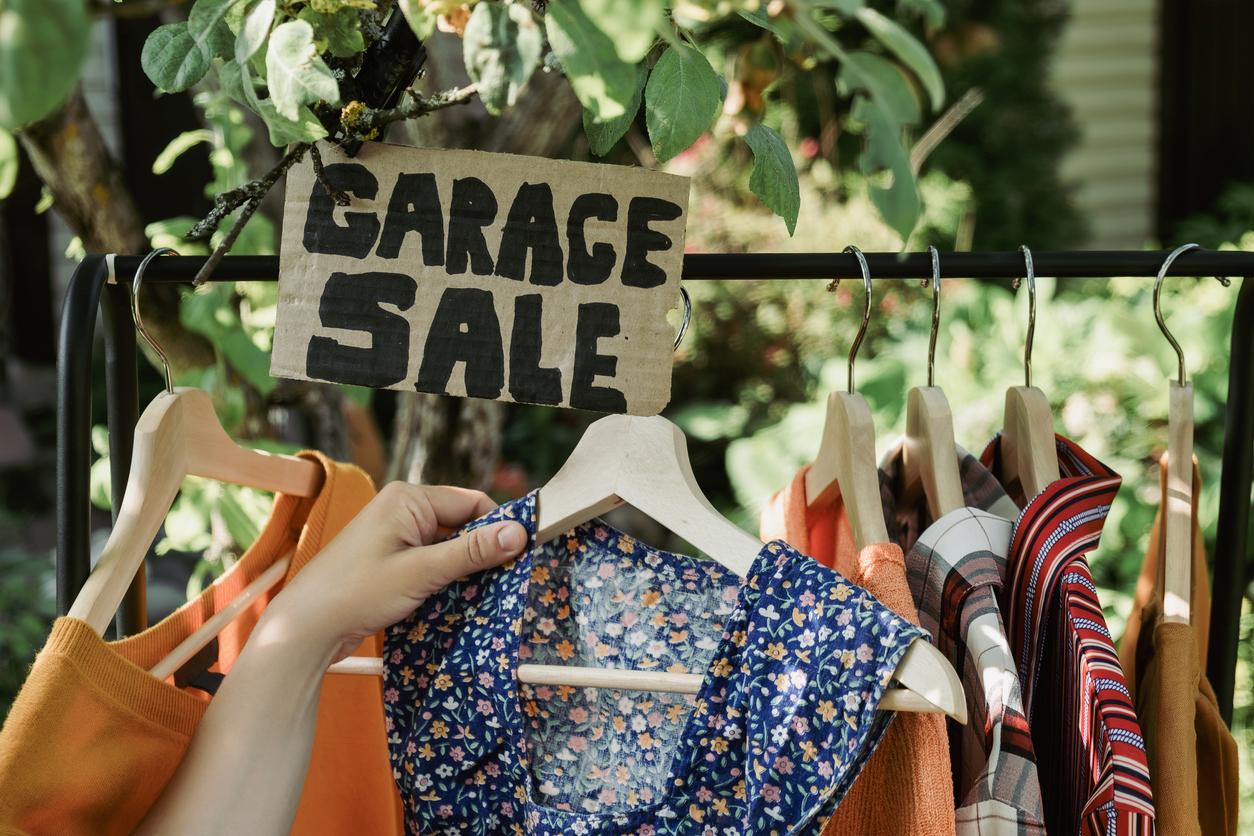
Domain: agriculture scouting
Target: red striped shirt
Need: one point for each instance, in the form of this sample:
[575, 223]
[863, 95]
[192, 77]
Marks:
[1090, 753]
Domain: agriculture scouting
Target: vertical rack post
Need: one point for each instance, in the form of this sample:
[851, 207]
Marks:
[122, 402]
[78, 326]
[1232, 535]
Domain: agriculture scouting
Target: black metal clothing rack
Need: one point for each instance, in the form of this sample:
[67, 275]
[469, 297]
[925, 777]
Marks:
[103, 282]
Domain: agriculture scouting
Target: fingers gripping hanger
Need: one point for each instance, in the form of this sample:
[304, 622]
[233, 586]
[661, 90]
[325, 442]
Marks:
[643, 462]
[1028, 450]
[1176, 570]
[178, 435]
[929, 453]
[846, 457]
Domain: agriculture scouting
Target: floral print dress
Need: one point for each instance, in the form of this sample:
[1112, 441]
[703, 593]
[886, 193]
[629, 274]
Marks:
[795, 660]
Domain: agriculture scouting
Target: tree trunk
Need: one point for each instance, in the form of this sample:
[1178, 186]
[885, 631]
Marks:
[440, 440]
[89, 192]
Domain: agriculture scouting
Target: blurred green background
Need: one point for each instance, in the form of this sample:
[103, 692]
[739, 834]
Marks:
[1040, 159]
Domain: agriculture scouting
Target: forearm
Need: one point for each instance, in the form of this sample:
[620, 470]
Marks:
[246, 765]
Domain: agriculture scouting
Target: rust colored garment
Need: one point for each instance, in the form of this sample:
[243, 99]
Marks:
[907, 785]
[1192, 755]
[93, 738]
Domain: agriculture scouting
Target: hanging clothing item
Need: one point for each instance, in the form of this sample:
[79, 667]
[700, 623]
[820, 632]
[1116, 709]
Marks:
[93, 738]
[1089, 749]
[795, 658]
[956, 567]
[1192, 755]
[907, 785]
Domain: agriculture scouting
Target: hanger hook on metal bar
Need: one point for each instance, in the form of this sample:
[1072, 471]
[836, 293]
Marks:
[139, 320]
[687, 318]
[1027, 344]
[936, 288]
[1158, 311]
[866, 309]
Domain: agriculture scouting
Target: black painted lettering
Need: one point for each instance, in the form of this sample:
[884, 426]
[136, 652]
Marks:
[352, 302]
[531, 227]
[595, 320]
[638, 271]
[322, 233]
[473, 207]
[589, 266]
[414, 207]
[528, 381]
[465, 330]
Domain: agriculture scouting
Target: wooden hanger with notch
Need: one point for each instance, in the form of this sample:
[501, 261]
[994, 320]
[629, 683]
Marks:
[643, 462]
[1176, 571]
[178, 435]
[1029, 452]
[930, 455]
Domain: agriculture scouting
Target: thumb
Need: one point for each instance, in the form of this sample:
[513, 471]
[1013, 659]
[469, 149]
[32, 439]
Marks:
[474, 551]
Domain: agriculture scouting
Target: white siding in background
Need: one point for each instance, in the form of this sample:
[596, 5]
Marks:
[1106, 68]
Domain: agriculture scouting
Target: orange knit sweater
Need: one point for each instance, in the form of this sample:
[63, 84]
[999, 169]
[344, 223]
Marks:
[93, 738]
[907, 785]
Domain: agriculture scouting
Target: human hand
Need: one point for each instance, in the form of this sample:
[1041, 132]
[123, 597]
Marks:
[387, 561]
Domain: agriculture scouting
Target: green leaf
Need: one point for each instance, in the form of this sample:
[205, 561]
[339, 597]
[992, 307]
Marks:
[631, 25]
[10, 161]
[179, 146]
[294, 72]
[338, 33]
[885, 83]
[711, 420]
[172, 59]
[212, 314]
[781, 27]
[42, 47]
[848, 8]
[172, 232]
[603, 136]
[681, 100]
[774, 177]
[602, 81]
[418, 18]
[502, 47]
[254, 29]
[908, 50]
[898, 200]
[283, 131]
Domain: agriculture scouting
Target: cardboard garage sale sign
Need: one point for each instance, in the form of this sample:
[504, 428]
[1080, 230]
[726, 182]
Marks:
[482, 275]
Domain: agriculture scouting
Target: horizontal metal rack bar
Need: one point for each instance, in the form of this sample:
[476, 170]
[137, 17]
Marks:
[761, 266]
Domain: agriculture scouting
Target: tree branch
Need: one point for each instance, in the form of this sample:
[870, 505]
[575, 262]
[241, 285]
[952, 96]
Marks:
[253, 191]
[364, 122]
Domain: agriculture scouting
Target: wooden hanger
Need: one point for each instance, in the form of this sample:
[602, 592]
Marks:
[1176, 571]
[1029, 452]
[178, 435]
[930, 455]
[643, 462]
[846, 457]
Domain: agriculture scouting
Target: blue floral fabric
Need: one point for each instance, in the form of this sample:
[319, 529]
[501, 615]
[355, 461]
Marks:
[795, 660]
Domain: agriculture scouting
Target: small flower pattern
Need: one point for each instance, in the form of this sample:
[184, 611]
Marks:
[795, 660]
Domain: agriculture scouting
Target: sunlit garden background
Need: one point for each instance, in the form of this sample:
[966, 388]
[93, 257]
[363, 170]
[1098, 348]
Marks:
[1011, 158]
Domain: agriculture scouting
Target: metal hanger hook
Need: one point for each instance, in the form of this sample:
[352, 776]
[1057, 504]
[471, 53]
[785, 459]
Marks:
[687, 318]
[1027, 344]
[1158, 311]
[139, 320]
[936, 288]
[866, 309]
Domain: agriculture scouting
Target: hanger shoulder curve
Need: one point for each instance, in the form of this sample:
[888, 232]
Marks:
[178, 435]
[930, 453]
[1177, 568]
[924, 671]
[1029, 452]
[641, 461]
[213, 454]
[846, 460]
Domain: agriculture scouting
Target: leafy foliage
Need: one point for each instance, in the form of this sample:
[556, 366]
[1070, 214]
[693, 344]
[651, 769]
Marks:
[288, 62]
[42, 47]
